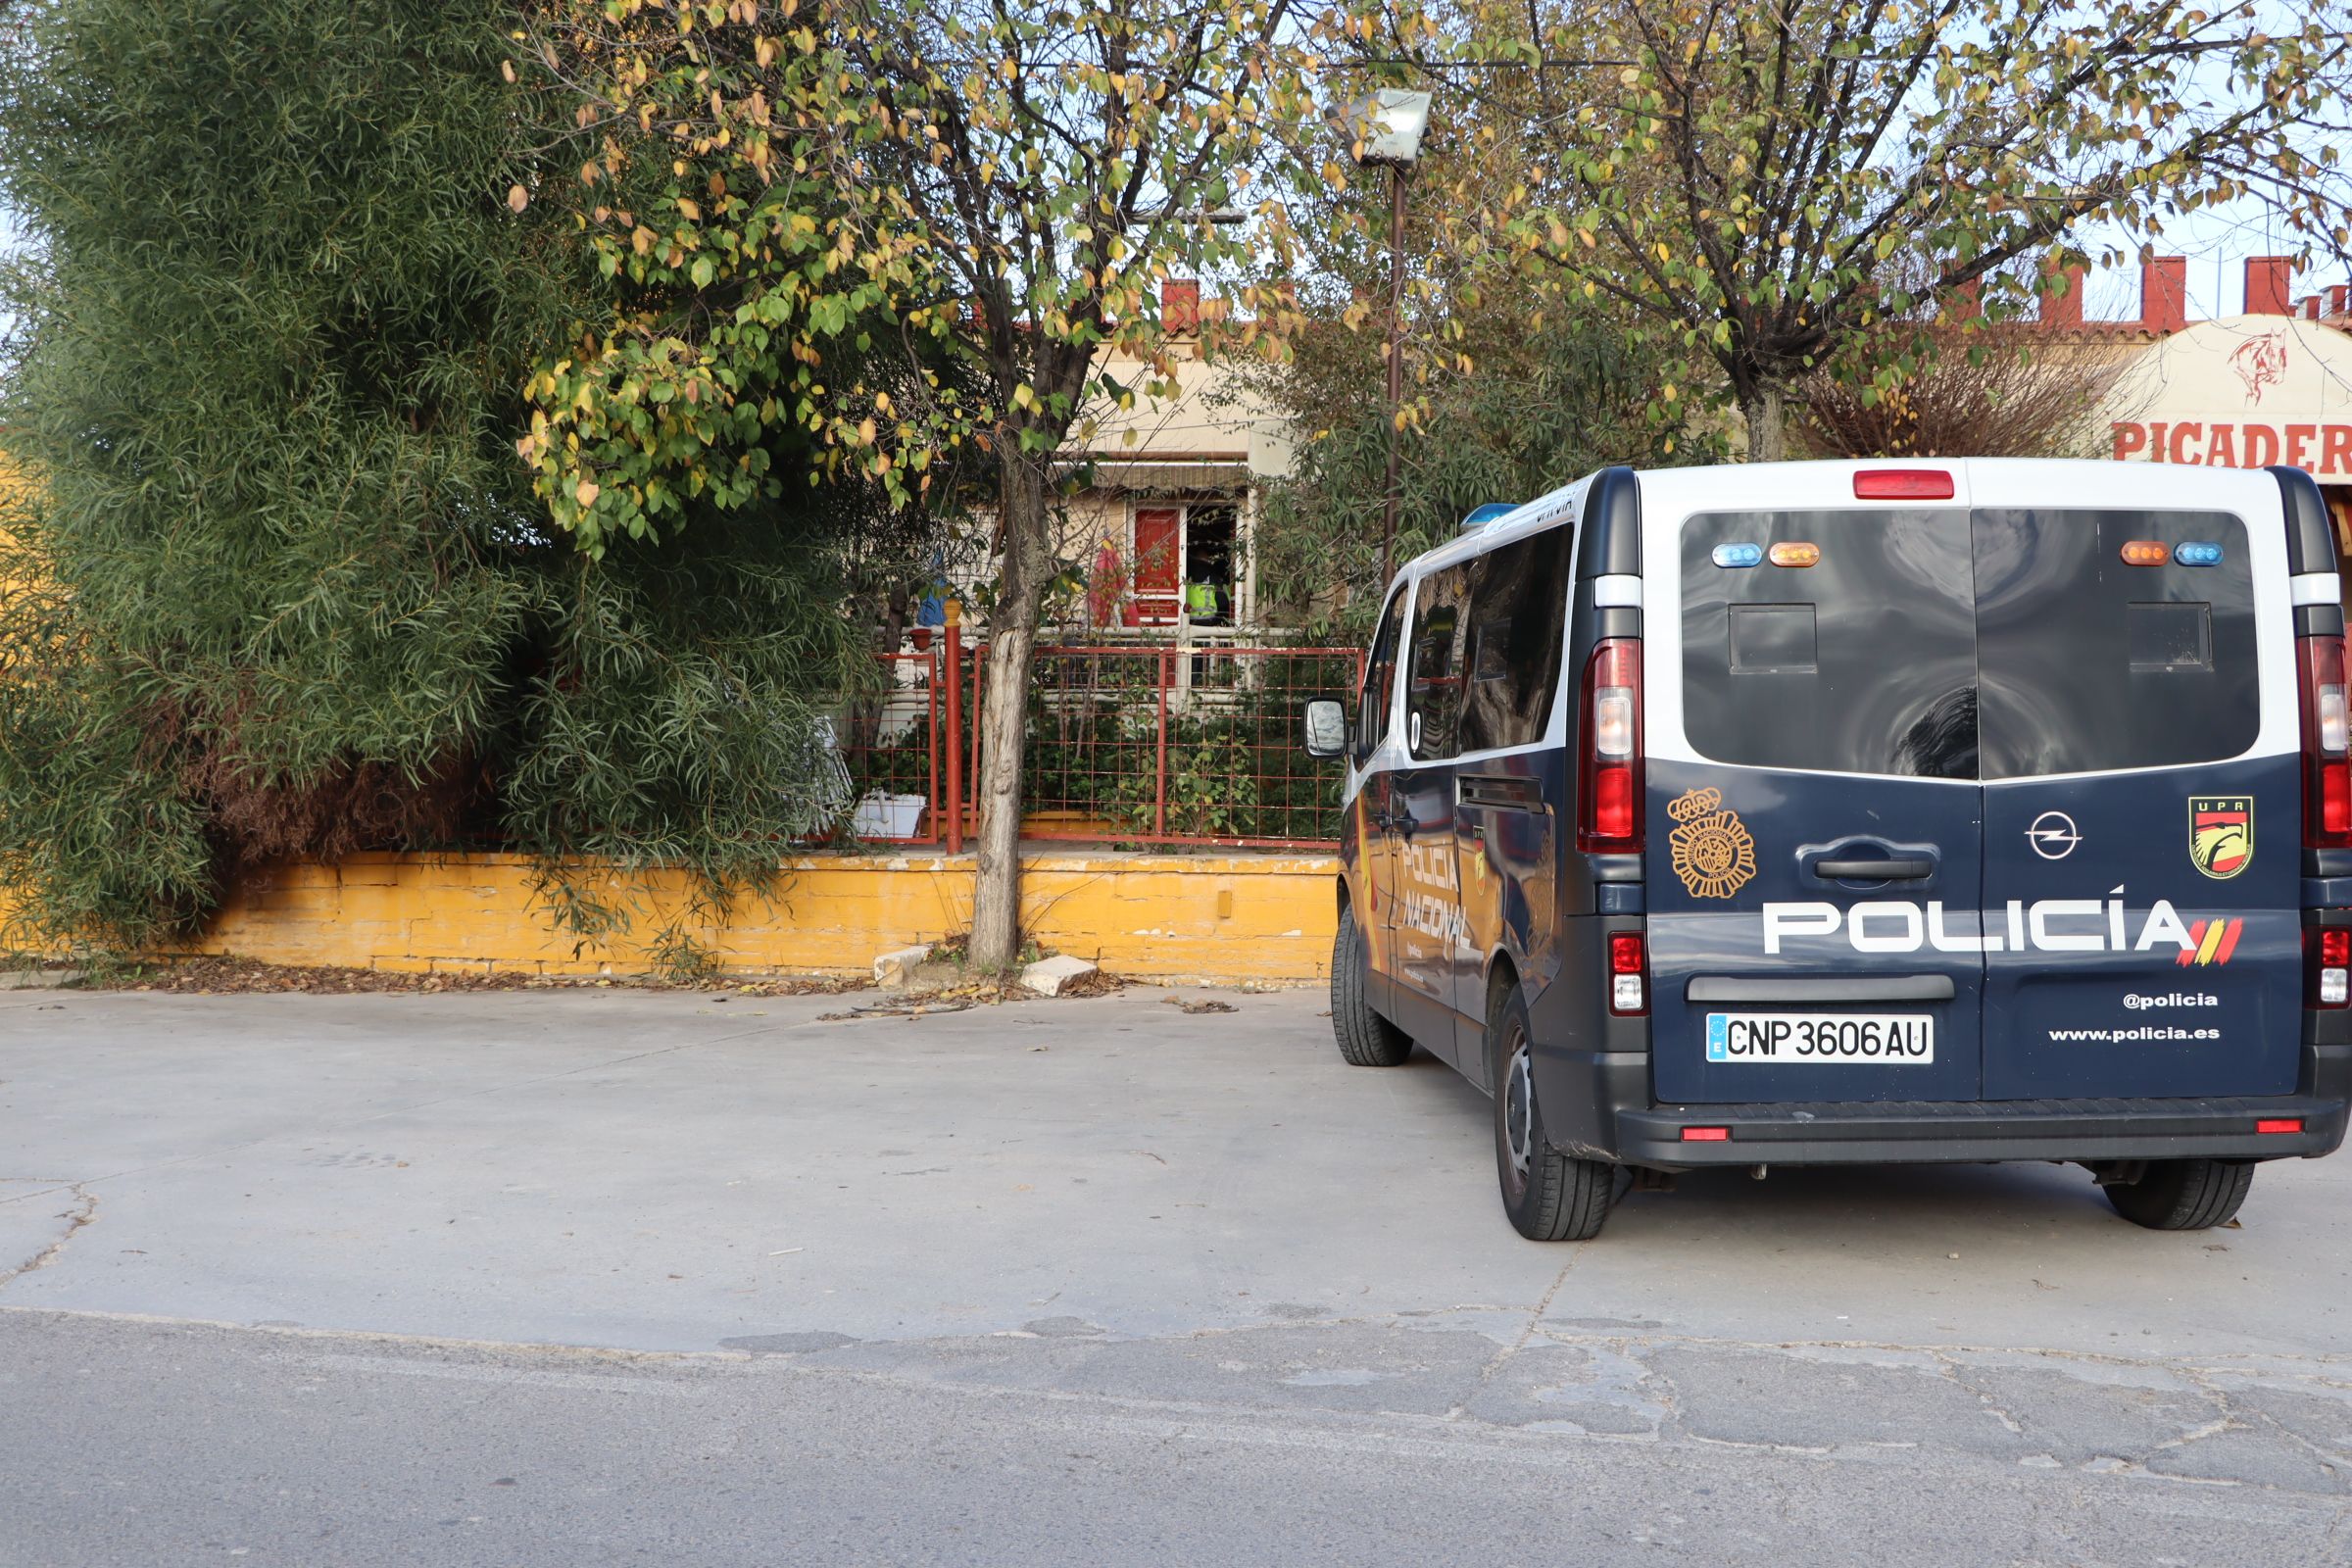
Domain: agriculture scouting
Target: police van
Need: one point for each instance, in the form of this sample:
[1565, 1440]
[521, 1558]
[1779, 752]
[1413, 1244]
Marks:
[1840, 813]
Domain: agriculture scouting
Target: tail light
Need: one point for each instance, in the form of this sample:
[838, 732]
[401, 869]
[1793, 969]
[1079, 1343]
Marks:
[2327, 950]
[1628, 985]
[1609, 801]
[2327, 746]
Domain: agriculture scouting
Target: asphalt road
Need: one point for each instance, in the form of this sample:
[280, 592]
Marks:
[577, 1279]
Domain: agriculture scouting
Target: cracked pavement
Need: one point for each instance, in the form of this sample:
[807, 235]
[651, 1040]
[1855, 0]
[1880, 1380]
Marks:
[583, 1278]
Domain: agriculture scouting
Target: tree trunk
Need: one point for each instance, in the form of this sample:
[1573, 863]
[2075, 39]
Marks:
[1005, 715]
[1766, 413]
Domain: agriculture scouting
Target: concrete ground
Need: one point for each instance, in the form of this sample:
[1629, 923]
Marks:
[577, 1278]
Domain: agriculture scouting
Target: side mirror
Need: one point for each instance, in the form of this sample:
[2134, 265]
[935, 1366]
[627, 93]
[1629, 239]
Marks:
[1326, 729]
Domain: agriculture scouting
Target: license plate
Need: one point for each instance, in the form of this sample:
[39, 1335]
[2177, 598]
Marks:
[1887, 1039]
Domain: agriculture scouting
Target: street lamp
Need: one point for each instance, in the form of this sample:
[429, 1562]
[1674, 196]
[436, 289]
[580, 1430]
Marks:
[1389, 124]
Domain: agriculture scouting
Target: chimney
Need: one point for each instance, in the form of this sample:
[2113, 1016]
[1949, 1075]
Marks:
[2063, 308]
[2268, 282]
[2335, 298]
[2310, 309]
[2164, 293]
[1180, 308]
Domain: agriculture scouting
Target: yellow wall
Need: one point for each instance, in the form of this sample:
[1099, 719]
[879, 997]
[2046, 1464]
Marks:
[1156, 917]
[12, 488]
[14, 491]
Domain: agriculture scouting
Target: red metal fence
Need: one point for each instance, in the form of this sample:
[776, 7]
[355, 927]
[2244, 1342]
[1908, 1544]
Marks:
[1123, 745]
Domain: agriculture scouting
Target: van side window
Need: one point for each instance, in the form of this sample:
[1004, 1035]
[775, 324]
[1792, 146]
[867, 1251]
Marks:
[1380, 676]
[1518, 617]
[1435, 696]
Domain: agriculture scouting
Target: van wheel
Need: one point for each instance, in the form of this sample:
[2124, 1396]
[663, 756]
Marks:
[1549, 1197]
[2183, 1194]
[1366, 1039]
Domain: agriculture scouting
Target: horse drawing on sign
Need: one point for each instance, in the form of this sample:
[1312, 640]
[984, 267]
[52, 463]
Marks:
[2260, 362]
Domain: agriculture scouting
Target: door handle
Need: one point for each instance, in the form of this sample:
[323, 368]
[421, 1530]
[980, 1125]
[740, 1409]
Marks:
[1902, 868]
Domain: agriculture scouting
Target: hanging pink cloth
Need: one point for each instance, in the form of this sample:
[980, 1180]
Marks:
[1103, 586]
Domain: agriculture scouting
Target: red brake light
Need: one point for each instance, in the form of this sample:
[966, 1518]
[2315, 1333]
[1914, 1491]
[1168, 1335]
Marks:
[1903, 484]
[1629, 983]
[2327, 746]
[1609, 800]
[1706, 1135]
[2278, 1124]
[2327, 962]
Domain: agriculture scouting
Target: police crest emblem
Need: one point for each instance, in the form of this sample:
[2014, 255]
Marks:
[1710, 847]
[2221, 833]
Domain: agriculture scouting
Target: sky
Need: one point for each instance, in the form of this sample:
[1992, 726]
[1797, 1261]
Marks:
[2217, 245]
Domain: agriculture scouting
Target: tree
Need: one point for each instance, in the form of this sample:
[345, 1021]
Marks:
[1984, 393]
[1754, 179]
[286, 590]
[1509, 401]
[1004, 182]
[1509, 391]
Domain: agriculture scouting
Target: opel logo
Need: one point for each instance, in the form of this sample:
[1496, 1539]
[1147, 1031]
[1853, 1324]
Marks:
[2053, 835]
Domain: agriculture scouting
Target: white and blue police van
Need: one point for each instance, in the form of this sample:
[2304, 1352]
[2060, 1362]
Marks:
[1856, 813]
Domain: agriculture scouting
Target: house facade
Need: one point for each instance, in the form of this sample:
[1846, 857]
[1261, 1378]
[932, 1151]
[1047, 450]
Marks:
[2271, 385]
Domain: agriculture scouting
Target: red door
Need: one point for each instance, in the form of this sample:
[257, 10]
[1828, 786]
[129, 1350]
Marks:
[1158, 542]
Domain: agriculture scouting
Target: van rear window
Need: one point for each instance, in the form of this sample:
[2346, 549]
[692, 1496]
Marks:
[2090, 664]
[1863, 663]
[2004, 644]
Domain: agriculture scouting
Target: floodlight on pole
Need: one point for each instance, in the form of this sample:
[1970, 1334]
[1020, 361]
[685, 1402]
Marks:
[1390, 123]
[1388, 127]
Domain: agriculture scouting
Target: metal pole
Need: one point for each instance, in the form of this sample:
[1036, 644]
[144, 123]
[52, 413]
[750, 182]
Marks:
[1396, 357]
[954, 639]
[1159, 764]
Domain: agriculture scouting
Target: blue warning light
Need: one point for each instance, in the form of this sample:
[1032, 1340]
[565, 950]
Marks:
[1738, 555]
[2197, 553]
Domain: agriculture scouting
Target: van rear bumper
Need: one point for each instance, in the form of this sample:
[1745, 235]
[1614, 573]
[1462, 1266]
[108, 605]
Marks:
[1909, 1132]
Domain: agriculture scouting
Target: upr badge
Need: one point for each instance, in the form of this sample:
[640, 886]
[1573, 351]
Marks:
[1712, 851]
[2221, 833]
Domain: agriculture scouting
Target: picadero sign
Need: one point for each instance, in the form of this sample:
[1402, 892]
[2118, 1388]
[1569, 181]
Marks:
[2242, 392]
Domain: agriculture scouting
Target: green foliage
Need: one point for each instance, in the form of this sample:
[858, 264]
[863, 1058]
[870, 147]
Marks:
[1513, 402]
[994, 190]
[298, 596]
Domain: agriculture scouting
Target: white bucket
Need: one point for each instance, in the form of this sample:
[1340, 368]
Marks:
[881, 815]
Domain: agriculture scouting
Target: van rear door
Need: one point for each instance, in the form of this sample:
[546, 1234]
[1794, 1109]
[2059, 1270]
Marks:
[1814, 842]
[2139, 747]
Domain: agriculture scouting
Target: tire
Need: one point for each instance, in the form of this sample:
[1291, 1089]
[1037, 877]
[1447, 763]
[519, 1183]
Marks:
[1366, 1039]
[2183, 1194]
[1549, 1195]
